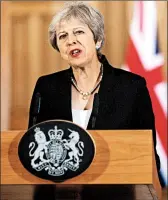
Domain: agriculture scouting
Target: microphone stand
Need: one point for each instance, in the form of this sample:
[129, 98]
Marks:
[36, 109]
[95, 109]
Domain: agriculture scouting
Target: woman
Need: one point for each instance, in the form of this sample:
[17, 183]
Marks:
[123, 101]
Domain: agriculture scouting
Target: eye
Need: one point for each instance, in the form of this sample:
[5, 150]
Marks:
[62, 36]
[78, 32]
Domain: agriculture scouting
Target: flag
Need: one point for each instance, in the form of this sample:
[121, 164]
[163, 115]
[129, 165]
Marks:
[144, 58]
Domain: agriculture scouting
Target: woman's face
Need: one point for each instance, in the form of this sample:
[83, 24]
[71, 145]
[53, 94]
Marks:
[75, 42]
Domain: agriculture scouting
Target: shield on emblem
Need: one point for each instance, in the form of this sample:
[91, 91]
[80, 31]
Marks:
[56, 150]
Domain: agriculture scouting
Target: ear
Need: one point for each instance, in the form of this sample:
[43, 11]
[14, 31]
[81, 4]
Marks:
[98, 44]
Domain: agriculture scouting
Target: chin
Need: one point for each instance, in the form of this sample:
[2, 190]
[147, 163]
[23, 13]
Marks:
[77, 64]
[81, 61]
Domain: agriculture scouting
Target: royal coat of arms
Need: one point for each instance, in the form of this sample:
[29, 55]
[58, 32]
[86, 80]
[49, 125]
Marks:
[58, 154]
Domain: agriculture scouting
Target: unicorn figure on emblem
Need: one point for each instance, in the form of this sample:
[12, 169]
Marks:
[74, 153]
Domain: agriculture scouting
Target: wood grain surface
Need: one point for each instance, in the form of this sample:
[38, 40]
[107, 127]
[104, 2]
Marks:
[121, 157]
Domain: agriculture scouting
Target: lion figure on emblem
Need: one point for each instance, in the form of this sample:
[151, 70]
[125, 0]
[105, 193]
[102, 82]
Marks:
[40, 138]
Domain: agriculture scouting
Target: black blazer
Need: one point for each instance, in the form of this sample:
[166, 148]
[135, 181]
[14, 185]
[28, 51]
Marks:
[124, 101]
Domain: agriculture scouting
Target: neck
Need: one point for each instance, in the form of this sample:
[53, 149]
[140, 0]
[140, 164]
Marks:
[86, 77]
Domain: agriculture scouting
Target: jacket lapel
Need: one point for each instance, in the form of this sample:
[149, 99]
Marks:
[105, 93]
[65, 96]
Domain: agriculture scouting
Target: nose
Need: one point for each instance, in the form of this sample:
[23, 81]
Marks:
[71, 39]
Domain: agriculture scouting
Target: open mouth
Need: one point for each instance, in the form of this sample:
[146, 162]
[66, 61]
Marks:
[75, 52]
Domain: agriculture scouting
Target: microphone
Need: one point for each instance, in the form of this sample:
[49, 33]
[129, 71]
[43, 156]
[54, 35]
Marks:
[95, 109]
[36, 107]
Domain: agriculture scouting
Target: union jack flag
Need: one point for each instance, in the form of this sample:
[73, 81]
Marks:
[143, 57]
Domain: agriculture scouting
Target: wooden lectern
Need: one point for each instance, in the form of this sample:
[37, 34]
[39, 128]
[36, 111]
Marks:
[122, 157]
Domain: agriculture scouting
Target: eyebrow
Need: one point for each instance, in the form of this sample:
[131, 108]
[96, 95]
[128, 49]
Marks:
[73, 30]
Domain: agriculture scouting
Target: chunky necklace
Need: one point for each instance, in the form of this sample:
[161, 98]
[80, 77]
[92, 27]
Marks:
[85, 95]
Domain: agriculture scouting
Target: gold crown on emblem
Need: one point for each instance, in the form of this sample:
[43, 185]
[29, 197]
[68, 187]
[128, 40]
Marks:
[55, 133]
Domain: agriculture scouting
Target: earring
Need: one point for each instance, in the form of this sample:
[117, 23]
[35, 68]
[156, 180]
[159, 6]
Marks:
[97, 47]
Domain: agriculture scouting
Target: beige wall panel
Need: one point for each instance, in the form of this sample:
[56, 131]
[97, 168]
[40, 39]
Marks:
[34, 51]
[115, 32]
[19, 57]
[19, 83]
[5, 66]
[19, 8]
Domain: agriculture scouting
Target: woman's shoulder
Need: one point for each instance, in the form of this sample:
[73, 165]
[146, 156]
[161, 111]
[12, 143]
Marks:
[56, 77]
[52, 80]
[119, 74]
[127, 76]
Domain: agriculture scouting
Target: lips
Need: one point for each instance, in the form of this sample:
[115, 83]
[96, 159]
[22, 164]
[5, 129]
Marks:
[75, 52]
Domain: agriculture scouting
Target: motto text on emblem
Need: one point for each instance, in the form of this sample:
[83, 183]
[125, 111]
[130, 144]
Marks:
[58, 154]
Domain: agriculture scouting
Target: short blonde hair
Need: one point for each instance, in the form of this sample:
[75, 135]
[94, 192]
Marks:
[85, 13]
